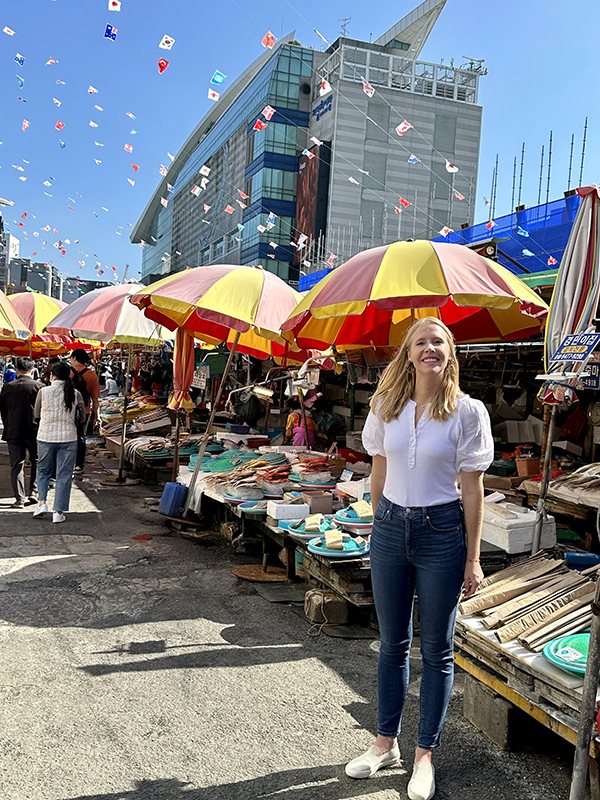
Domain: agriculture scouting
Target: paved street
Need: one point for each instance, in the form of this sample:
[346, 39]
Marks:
[142, 669]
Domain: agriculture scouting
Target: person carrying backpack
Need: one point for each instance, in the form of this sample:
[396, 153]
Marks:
[87, 384]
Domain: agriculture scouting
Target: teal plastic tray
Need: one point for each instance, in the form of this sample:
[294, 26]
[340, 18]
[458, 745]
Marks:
[569, 652]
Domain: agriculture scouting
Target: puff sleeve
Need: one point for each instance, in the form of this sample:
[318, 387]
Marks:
[373, 435]
[475, 447]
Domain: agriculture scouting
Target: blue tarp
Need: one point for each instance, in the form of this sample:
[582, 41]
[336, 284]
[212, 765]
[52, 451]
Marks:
[548, 226]
[306, 282]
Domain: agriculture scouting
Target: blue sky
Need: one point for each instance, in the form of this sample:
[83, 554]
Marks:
[540, 58]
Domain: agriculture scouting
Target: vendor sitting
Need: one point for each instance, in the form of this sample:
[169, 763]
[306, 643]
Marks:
[294, 429]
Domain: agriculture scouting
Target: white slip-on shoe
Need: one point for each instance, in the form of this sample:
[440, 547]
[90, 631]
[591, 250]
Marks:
[422, 783]
[366, 765]
[40, 510]
[58, 517]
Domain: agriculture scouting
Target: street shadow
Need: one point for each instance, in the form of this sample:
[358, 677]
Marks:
[325, 783]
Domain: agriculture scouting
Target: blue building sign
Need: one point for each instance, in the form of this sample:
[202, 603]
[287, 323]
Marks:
[323, 107]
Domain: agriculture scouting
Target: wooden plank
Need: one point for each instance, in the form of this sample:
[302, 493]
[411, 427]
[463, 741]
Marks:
[553, 720]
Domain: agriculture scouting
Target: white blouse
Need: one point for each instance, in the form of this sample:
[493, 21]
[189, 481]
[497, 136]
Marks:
[424, 461]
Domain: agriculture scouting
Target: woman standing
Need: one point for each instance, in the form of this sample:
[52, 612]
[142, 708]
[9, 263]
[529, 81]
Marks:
[424, 435]
[56, 408]
[294, 427]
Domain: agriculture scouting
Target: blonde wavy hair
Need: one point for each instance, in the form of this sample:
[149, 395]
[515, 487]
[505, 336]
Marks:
[397, 384]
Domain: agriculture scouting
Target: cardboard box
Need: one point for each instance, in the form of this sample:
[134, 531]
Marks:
[319, 502]
[499, 483]
[280, 510]
[515, 432]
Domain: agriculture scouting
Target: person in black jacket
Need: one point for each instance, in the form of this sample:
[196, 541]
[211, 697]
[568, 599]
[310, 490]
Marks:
[17, 402]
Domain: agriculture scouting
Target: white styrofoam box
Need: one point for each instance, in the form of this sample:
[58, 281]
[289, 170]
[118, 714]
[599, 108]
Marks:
[362, 396]
[569, 447]
[354, 441]
[515, 431]
[538, 428]
[343, 411]
[515, 535]
[355, 488]
[280, 510]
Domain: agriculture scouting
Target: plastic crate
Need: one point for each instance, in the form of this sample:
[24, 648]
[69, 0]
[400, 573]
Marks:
[503, 469]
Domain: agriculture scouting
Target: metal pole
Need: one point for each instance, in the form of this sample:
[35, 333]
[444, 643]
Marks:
[521, 173]
[213, 410]
[583, 151]
[541, 175]
[120, 478]
[541, 506]
[571, 161]
[588, 706]
[303, 409]
[512, 199]
[549, 168]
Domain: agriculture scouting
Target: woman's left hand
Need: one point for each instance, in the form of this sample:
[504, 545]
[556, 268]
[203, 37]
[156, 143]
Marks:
[472, 579]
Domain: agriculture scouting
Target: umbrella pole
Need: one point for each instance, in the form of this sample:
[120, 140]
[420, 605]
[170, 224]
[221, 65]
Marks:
[301, 398]
[588, 707]
[213, 411]
[541, 506]
[119, 479]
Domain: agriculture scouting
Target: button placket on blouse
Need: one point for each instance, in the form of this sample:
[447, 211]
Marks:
[414, 430]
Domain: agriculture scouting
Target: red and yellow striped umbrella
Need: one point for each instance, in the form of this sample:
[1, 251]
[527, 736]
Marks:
[372, 299]
[12, 326]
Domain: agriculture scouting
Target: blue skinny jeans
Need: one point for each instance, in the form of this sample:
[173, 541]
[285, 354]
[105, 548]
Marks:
[59, 456]
[422, 550]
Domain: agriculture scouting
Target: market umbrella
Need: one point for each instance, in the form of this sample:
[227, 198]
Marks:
[12, 326]
[372, 299]
[220, 303]
[106, 314]
[37, 310]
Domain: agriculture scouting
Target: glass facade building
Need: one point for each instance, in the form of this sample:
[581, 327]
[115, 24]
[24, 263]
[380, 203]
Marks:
[335, 198]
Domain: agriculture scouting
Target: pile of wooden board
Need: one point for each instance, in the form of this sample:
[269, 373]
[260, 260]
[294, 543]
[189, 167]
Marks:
[534, 601]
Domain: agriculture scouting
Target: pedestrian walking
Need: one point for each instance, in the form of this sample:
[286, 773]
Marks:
[10, 373]
[87, 384]
[57, 408]
[17, 404]
[425, 436]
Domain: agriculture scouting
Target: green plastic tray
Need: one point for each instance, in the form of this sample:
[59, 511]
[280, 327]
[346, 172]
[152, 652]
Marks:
[569, 652]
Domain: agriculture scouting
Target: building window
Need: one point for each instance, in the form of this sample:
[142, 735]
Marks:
[204, 257]
[278, 184]
[276, 138]
[380, 114]
[232, 240]
[218, 249]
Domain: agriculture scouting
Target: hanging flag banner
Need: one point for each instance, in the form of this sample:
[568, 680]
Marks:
[21, 81]
[522, 231]
[51, 61]
[324, 88]
[331, 259]
[212, 95]
[446, 230]
[204, 183]
[268, 40]
[162, 65]
[412, 159]
[261, 228]
[243, 195]
[25, 125]
[99, 108]
[59, 125]
[367, 88]
[135, 167]
[308, 154]
[486, 200]
[240, 204]
[163, 170]
[353, 180]
[110, 33]
[259, 125]
[132, 182]
[229, 209]
[114, 5]
[8, 31]
[459, 196]
[450, 167]
[320, 35]
[218, 78]
[204, 170]
[271, 219]
[20, 59]
[404, 202]
[164, 201]
[206, 208]
[166, 43]
[552, 261]
[128, 148]
[91, 90]
[527, 252]
[268, 112]
[491, 224]
[129, 114]
[196, 190]
[170, 188]
[403, 127]
[93, 124]
[316, 141]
